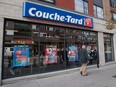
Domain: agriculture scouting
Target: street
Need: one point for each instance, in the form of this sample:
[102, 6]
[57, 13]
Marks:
[97, 77]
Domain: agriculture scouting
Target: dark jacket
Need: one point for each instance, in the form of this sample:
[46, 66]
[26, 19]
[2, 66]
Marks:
[83, 56]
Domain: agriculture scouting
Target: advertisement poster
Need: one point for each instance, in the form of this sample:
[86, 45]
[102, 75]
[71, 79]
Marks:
[51, 54]
[21, 56]
[72, 53]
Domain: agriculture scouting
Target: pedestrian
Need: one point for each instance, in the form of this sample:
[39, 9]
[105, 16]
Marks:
[83, 57]
[91, 55]
[95, 56]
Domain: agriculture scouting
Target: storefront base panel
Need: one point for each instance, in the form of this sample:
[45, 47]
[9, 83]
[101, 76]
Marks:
[40, 76]
[110, 63]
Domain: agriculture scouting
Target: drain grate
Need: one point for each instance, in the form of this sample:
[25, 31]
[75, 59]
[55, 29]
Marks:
[114, 76]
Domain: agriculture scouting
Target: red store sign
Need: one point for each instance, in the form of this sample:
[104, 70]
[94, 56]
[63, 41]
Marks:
[23, 41]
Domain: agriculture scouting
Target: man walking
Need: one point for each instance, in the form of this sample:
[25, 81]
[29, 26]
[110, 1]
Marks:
[83, 56]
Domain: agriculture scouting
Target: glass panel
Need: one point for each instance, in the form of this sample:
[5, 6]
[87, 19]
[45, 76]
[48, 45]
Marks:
[108, 47]
[114, 16]
[71, 48]
[98, 3]
[95, 11]
[77, 38]
[99, 12]
[79, 6]
[36, 48]
[18, 50]
[51, 1]
[113, 3]
[85, 7]
[51, 48]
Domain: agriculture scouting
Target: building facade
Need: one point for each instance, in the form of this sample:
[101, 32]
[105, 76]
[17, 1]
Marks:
[44, 36]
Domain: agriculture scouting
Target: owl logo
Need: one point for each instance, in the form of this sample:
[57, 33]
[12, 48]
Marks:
[88, 22]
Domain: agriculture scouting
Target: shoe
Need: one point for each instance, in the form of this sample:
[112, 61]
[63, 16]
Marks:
[97, 66]
[81, 72]
[85, 75]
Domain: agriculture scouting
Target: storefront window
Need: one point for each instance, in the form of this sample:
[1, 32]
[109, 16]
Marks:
[37, 48]
[51, 48]
[108, 46]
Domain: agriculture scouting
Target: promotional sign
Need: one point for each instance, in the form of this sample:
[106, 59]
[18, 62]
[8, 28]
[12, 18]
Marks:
[51, 54]
[72, 53]
[21, 56]
[22, 41]
[37, 11]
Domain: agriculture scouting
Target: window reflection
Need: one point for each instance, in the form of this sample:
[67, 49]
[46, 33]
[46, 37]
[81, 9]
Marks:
[98, 11]
[48, 48]
[49, 1]
[108, 47]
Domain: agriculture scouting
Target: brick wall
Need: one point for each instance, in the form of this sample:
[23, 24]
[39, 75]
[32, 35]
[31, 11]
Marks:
[90, 7]
[106, 8]
[68, 4]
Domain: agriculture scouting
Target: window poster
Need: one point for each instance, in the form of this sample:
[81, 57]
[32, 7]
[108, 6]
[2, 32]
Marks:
[72, 53]
[51, 54]
[21, 56]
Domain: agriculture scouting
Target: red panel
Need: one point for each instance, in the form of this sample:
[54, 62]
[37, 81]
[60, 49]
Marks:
[68, 4]
[90, 7]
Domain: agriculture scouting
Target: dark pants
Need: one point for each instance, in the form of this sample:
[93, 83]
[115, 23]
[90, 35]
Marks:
[97, 63]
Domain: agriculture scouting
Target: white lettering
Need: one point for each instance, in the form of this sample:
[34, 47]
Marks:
[80, 21]
[69, 17]
[30, 11]
[56, 17]
[45, 15]
[76, 21]
[38, 14]
[72, 20]
[62, 18]
[51, 16]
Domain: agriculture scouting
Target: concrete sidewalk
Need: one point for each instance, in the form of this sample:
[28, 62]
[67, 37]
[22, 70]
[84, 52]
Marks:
[101, 77]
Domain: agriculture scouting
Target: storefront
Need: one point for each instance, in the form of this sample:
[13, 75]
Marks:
[45, 46]
[34, 48]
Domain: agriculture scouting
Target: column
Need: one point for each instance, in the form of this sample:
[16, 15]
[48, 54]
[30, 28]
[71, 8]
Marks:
[114, 45]
[101, 49]
[1, 46]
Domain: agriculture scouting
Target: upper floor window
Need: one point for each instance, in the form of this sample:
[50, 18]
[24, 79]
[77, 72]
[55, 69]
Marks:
[85, 7]
[98, 11]
[113, 3]
[81, 6]
[98, 3]
[50, 1]
[95, 10]
[114, 16]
